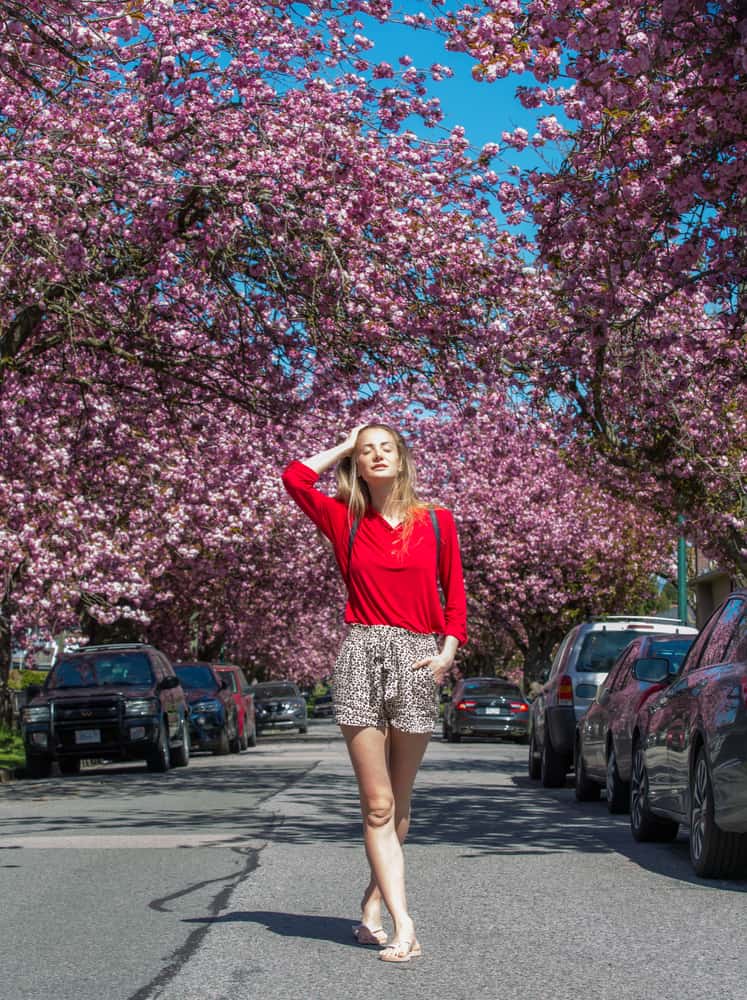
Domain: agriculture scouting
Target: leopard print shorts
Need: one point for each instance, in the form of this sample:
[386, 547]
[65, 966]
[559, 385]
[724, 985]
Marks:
[374, 683]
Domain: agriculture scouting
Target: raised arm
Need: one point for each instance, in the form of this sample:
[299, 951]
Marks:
[325, 459]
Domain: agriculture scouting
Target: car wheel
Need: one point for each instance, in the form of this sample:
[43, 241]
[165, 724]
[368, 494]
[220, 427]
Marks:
[453, 737]
[552, 766]
[160, 759]
[180, 756]
[303, 729]
[223, 744]
[251, 740]
[69, 765]
[38, 767]
[618, 791]
[586, 790]
[714, 852]
[535, 765]
[234, 744]
[643, 824]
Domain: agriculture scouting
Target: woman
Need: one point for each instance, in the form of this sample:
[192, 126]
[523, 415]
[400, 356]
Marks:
[392, 551]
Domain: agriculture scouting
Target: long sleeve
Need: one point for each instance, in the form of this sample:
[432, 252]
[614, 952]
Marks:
[452, 578]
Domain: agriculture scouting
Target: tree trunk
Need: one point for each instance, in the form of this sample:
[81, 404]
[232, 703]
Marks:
[538, 655]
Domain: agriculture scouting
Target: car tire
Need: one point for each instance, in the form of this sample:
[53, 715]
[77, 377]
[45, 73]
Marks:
[69, 765]
[534, 762]
[224, 746]
[643, 824]
[38, 767]
[180, 756]
[618, 791]
[552, 765]
[444, 730]
[302, 730]
[160, 759]
[234, 744]
[714, 853]
[586, 790]
[454, 737]
[251, 740]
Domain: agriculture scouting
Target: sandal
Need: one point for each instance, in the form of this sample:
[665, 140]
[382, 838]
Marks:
[370, 936]
[401, 951]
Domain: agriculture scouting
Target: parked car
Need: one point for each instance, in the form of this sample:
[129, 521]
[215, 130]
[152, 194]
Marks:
[114, 702]
[582, 662]
[485, 706]
[604, 736]
[213, 716]
[690, 749]
[280, 705]
[323, 707]
[242, 695]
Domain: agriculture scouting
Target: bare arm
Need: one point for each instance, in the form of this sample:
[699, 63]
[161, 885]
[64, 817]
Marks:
[326, 459]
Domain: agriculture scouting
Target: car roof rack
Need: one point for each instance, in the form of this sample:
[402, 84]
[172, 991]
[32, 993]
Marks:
[109, 646]
[637, 618]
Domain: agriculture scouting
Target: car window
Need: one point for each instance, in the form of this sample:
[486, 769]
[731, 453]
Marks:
[736, 651]
[489, 686]
[122, 669]
[197, 677]
[674, 650]
[618, 676]
[599, 650]
[720, 634]
[276, 690]
[231, 677]
[562, 653]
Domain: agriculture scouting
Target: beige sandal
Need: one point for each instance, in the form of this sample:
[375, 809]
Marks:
[401, 951]
[370, 936]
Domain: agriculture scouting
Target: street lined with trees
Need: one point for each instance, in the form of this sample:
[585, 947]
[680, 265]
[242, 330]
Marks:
[231, 233]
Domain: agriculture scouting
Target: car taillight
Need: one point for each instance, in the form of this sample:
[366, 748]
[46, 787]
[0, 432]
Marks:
[565, 690]
[519, 706]
[466, 704]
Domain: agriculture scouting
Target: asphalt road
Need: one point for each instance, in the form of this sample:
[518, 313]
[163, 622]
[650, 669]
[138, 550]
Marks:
[239, 878]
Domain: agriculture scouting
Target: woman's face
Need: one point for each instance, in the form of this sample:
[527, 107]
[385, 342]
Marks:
[377, 456]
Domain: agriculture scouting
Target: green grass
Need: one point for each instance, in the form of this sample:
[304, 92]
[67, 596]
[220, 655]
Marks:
[11, 749]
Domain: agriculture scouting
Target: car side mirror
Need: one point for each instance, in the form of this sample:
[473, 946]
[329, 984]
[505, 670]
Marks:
[166, 683]
[32, 691]
[603, 696]
[225, 682]
[652, 669]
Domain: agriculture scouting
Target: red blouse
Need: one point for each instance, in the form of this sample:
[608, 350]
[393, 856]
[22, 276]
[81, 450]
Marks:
[386, 584]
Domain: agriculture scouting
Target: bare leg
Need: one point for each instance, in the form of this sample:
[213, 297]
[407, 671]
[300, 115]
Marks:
[386, 773]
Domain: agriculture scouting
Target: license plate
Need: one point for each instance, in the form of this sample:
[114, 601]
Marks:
[88, 736]
[494, 711]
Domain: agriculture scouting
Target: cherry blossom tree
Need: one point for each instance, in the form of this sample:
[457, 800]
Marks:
[634, 332]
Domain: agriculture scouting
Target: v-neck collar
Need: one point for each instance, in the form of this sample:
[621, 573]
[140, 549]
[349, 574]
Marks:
[392, 527]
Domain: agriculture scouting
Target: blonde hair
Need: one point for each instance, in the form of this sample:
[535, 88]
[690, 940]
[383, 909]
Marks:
[353, 491]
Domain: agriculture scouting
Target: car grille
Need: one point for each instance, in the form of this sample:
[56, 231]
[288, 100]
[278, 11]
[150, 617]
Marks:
[103, 715]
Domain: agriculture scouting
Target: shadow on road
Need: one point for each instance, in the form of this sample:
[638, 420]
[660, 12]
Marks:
[310, 926]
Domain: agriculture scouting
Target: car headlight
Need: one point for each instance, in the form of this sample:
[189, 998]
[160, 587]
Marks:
[141, 706]
[209, 705]
[36, 713]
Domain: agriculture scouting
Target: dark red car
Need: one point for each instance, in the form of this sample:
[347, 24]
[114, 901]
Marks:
[242, 695]
[604, 736]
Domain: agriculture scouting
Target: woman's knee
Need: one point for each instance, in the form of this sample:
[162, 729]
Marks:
[378, 810]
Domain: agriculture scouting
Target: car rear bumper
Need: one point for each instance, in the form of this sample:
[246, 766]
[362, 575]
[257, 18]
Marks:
[467, 725]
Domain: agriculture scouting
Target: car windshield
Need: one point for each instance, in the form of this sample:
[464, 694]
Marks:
[489, 686]
[194, 678]
[673, 649]
[120, 669]
[599, 650]
[275, 691]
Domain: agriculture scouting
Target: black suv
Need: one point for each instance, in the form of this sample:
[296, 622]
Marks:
[116, 702]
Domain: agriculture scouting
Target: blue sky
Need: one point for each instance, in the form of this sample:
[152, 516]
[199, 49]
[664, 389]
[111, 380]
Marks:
[484, 109]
